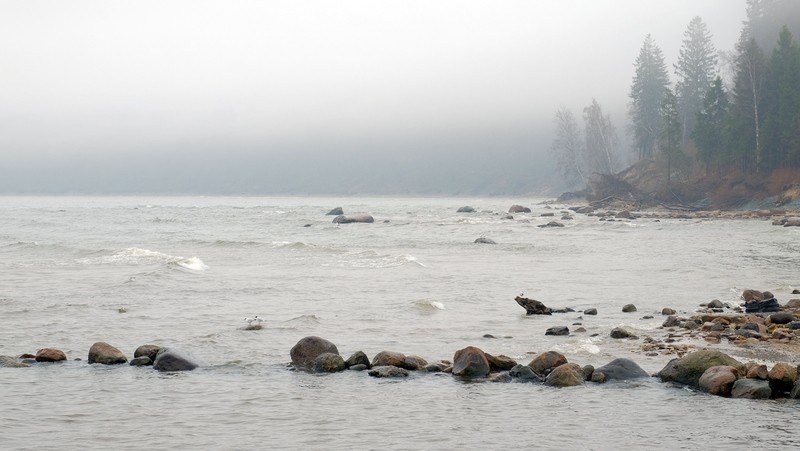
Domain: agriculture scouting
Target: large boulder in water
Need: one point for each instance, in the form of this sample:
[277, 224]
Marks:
[751, 389]
[519, 209]
[465, 209]
[689, 368]
[50, 355]
[567, 375]
[470, 362]
[150, 351]
[619, 370]
[106, 354]
[342, 219]
[308, 348]
[335, 212]
[175, 360]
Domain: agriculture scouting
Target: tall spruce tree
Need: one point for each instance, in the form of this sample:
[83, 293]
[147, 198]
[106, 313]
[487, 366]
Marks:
[709, 130]
[781, 104]
[647, 91]
[695, 71]
[671, 131]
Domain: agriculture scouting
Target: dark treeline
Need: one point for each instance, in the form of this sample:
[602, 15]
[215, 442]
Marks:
[724, 111]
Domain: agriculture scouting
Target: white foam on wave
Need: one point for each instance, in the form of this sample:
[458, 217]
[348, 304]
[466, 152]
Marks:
[137, 255]
[428, 305]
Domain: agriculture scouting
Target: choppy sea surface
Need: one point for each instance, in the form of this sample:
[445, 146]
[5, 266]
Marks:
[184, 271]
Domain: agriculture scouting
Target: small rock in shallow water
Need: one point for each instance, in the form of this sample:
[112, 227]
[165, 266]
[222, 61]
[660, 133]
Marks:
[557, 330]
[629, 308]
[666, 311]
[590, 311]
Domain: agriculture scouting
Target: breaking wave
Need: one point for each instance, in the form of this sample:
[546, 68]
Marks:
[138, 256]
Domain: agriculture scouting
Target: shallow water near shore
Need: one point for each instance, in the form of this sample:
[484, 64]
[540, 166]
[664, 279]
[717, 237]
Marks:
[184, 271]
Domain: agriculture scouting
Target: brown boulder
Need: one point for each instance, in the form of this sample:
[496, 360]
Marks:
[389, 358]
[719, 380]
[150, 351]
[500, 362]
[545, 362]
[519, 209]
[50, 355]
[756, 371]
[308, 349]
[567, 375]
[781, 377]
[106, 354]
[470, 362]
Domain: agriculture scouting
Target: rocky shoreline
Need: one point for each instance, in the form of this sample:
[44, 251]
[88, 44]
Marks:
[704, 369]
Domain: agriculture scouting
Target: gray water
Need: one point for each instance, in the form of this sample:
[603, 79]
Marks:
[184, 271]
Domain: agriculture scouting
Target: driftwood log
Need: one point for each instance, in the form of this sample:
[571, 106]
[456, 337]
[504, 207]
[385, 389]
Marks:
[533, 307]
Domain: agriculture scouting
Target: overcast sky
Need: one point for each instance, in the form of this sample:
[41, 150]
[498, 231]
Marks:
[167, 81]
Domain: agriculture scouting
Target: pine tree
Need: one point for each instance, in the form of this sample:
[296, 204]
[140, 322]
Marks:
[695, 71]
[672, 130]
[709, 130]
[781, 104]
[647, 90]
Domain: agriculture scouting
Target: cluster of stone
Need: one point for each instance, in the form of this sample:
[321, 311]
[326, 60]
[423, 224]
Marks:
[101, 353]
[317, 355]
[606, 211]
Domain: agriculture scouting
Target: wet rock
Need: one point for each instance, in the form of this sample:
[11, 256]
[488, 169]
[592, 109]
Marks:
[169, 359]
[505, 376]
[671, 321]
[358, 367]
[150, 351]
[666, 311]
[470, 362]
[588, 371]
[388, 371]
[389, 358]
[781, 377]
[500, 362]
[545, 362]
[718, 380]
[532, 306]
[794, 325]
[519, 209]
[524, 373]
[551, 224]
[50, 355]
[358, 358]
[484, 240]
[105, 354]
[716, 303]
[308, 348]
[753, 295]
[335, 212]
[628, 308]
[620, 369]
[327, 363]
[557, 330]
[465, 209]
[10, 362]
[689, 368]
[781, 318]
[590, 311]
[747, 333]
[567, 375]
[751, 389]
[142, 360]
[793, 304]
[757, 371]
[349, 219]
[619, 332]
[414, 363]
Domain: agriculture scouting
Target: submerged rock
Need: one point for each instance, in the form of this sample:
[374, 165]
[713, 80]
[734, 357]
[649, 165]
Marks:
[519, 209]
[335, 212]
[484, 240]
[327, 363]
[308, 348]
[470, 362]
[175, 360]
[342, 219]
[620, 369]
[557, 330]
[50, 355]
[567, 375]
[388, 371]
[105, 354]
[465, 209]
[628, 308]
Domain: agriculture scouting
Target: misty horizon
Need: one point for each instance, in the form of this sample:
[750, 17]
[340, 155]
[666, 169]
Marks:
[449, 98]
